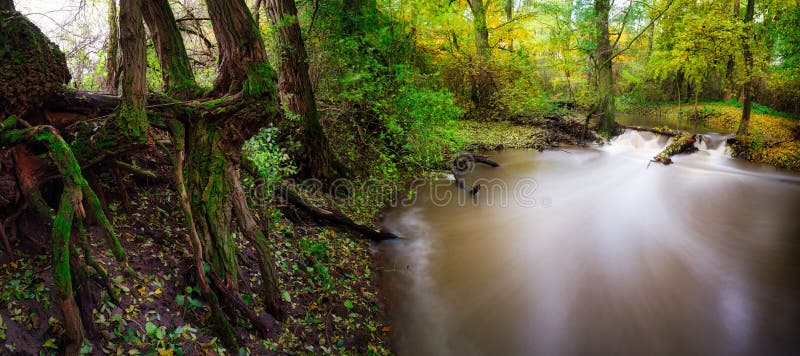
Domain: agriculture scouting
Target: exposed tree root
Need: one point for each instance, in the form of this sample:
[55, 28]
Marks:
[239, 305]
[71, 207]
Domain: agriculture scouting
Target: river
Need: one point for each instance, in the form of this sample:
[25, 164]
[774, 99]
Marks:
[591, 251]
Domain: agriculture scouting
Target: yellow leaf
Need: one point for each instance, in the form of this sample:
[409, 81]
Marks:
[157, 291]
[164, 352]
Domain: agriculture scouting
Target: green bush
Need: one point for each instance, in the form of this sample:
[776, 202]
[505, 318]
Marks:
[421, 122]
[270, 160]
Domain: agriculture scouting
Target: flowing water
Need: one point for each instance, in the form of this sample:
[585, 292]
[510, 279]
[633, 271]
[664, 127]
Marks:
[590, 251]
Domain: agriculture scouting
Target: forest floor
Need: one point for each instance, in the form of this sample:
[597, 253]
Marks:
[537, 134]
[774, 138]
[329, 288]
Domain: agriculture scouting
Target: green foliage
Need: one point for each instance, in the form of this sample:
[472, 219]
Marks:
[420, 121]
[270, 159]
[260, 80]
[525, 99]
[155, 81]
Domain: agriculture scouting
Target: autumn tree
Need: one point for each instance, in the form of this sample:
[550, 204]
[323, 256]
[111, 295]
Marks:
[605, 51]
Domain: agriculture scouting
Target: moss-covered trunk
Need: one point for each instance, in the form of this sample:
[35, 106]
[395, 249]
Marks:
[210, 196]
[131, 122]
[240, 45]
[294, 85]
[111, 81]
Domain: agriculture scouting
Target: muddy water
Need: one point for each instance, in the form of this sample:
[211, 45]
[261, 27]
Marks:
[592, 252]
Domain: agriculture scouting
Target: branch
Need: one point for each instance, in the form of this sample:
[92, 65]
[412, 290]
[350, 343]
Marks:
[515, 19]
[624, 21]
[652, 22]
[333, 218]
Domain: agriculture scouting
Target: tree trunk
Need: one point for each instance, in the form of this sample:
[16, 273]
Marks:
[210, 196]
[747, 91]
[509, 16]
[605, 74]
[112, 49]
[294, 86]
[483, 87]
[481, 30]
[176, 69]
[132, 118]
[730, 88]
[241, 52]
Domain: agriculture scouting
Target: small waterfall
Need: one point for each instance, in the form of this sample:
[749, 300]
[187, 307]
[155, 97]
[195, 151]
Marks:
[640, 139]
[713, 143]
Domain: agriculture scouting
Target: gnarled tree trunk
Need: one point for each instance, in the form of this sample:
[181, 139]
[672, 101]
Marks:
[241, 52]
[294, 86]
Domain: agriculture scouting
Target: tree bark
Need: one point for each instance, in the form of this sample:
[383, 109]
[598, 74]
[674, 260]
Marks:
[176, 69]
[294, 86]
[132, 118]
[747, 91]
[112, 49]
[241, 53]
[605, 75]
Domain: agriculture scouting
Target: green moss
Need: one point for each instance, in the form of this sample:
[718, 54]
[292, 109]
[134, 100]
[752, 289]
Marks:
[132, 123]
[60, 237]
[209, 197]
[260, 80]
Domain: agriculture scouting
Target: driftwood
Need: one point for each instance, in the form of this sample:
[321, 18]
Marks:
[333, 218]
[463, 164]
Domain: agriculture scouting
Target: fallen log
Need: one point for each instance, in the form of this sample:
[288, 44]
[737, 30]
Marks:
[681, 144]
[332, 218]
[656, 130]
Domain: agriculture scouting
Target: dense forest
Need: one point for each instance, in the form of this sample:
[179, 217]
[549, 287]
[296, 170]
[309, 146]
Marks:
[187, 176]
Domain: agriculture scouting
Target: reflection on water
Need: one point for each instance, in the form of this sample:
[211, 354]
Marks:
[696, 258]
